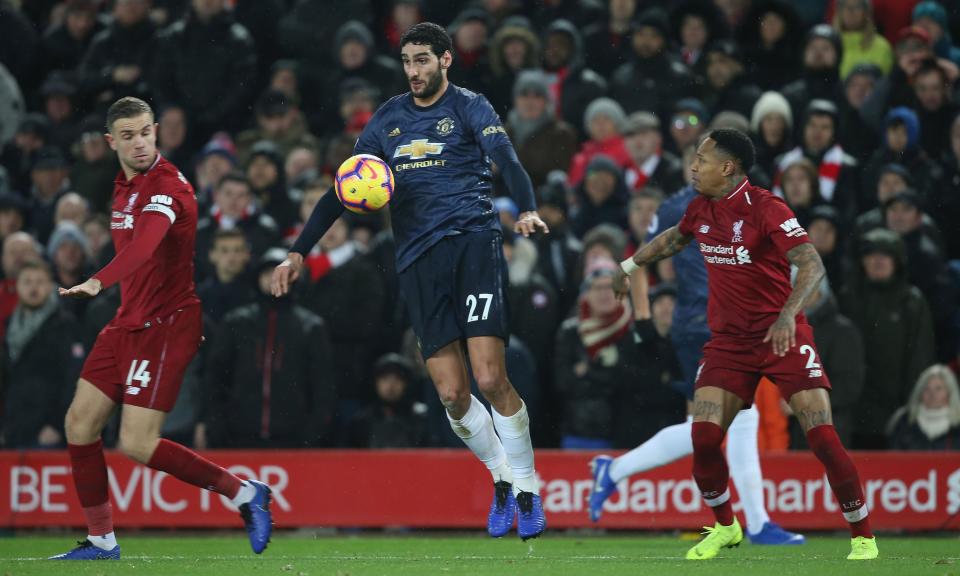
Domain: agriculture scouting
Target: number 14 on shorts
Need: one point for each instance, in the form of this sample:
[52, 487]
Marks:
[138, 377]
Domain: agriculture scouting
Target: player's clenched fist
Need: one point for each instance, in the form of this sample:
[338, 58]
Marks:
[621, 284]
[286, 274]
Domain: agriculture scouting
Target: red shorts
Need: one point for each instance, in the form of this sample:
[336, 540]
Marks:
[736, 365]
[145, 367]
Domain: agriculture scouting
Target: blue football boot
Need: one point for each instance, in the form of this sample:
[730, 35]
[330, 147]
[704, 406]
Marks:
[503, 510]
[256, 517]
[603, 485]
[531, 521]
[87, 551]
[773, 535]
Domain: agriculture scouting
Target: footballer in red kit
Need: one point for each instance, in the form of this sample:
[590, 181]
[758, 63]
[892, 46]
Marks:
[750, 239]
[140, 357]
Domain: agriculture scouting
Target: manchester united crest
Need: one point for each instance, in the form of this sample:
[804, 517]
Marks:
[445, 126]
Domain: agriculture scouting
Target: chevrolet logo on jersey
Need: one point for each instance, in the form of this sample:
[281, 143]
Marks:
[418, 149]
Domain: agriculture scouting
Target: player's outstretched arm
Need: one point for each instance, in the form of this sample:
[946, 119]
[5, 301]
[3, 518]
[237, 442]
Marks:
[518, 182]
[782, 334]
[664, 245]
[324, 214]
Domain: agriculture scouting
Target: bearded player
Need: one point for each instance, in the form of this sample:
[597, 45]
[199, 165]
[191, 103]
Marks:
[749, 239]
[140, 357]
[439, 140]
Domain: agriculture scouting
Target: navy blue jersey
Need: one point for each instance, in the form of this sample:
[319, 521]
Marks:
[440, 160]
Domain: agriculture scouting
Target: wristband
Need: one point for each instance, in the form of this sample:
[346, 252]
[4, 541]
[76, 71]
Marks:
[629, 266]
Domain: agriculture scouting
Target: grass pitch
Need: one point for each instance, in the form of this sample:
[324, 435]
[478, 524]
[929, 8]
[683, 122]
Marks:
[556, 554]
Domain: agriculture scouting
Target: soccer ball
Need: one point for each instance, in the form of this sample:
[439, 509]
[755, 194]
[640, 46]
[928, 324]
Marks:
[364, 183]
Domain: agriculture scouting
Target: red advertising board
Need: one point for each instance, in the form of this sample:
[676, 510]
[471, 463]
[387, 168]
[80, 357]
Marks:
[449, 488]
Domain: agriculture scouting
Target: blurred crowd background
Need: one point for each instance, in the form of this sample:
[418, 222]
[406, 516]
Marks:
[852, 105]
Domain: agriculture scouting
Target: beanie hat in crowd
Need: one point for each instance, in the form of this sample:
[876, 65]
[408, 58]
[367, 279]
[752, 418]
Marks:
[607, 107]
[354, 30]
[532, 81]
[932, 10]
[864, 69]
[907, 117]
[828, 33]
[66, 231]
[654, 18]
[771, 103]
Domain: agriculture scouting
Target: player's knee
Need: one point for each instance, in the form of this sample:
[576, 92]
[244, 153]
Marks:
[136, 446]
[455, 399]
[78, 429]
[490, 382]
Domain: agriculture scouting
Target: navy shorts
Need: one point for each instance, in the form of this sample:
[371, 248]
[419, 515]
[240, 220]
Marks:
[457, 290]
[688, 346]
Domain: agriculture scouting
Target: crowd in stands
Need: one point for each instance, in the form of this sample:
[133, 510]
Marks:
[854, 107]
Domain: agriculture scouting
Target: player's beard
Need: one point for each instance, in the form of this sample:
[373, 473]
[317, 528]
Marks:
[431, 85]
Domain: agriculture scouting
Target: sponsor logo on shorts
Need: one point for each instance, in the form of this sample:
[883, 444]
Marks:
[816, 373]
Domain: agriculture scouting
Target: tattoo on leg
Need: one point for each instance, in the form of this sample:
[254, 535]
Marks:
[705, 410]
[812, 418]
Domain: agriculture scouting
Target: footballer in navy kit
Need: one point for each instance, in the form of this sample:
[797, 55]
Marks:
[440, 140]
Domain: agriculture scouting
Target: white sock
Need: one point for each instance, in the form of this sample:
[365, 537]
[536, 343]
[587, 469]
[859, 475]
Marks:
[106, 542]
[671, 443]
[244, 494]
[515, 434]
[744, 462]
[476, 431]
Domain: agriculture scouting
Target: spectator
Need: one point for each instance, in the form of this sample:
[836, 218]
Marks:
[97, 231]
[119, 58]
[575, 85]
[901, 145]
[285, 78]
[354, 58]
[601, 197]
[218, 157]
[266, 174]
[19, 248]
[651, 165]
[897, 330]
[930, 420]
[470, 31]
[229, 287]
[544, 143]
[837, 170]
[278, 121]
[50, 182]
[840, 349]
[13, 212]
[206, 63]
[65, 43]
[403, 15]
[944, 200]
[603, 121]
[69, 253]
[771, 123]
[858, 138]
[395, 419]
[893, 179]
[41, 361]
[608, 42]
[234, 206]
[268, 375]
[771, 34]
[726, 88]
[300, 167]
[642, 216]
[310, 20]
[862, 44]
[823, 230]
[932, 18]
[561, 249]
[820, 78]
[696, 25]
[59, 94]
[934, 107]
[71, 207]
[174, 138]
[513, 50]
[652, 80]
[32, 135]
[926, 267]
[94, 168]
[800, 185]
[535, 312]
[688, 123]
[347, 293]
[594, 358]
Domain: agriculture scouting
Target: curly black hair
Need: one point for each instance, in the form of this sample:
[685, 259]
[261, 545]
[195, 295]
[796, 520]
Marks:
[737, 145]
[428, 34]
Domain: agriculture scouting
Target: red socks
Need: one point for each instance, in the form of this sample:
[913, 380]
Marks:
[90, 479]
[186, 465]
[710, 470]
[843, 478]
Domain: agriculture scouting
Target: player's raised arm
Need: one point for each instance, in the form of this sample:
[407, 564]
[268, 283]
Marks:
[664, 245]
[782, 333]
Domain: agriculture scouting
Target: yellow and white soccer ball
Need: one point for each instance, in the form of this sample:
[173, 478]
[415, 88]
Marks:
[364, 183]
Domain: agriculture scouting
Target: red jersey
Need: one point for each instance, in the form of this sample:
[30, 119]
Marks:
[744, 238]
[164, 283]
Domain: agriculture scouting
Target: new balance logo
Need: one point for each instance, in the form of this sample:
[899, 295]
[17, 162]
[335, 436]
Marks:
[394, 132]
[704, 228]
[793, 228]
[743, 256]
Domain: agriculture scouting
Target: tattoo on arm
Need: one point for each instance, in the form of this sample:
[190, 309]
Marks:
[665, 245]
[704, 410]
[809, 272]
[812, 418]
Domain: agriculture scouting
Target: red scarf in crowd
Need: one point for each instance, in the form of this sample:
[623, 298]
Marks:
[829, 170]
[638, 176]
[598, 332]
